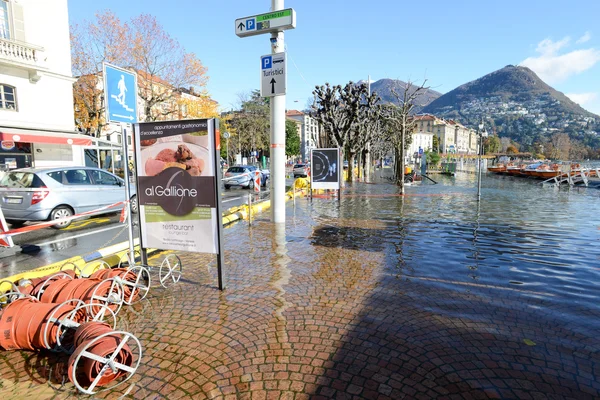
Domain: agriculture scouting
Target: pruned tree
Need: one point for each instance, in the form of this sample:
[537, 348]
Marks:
[337, 109]
[368, 123]
[401, 124]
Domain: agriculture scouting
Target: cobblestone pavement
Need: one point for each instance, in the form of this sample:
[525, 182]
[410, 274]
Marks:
[323, 311]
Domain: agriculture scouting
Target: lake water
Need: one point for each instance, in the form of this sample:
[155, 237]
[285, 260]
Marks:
[503, 292]
[530, 241]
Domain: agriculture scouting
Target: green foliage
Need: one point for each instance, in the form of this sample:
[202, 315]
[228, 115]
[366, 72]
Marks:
[433, 158]
[435, 144]
[492, 145]
[292, 139]
[251, 124]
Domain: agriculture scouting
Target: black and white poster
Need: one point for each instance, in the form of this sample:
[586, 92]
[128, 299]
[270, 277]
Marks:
[325, 169]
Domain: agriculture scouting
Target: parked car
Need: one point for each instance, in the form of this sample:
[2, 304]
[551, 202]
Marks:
[300, 170]
[243, 176]
[41, 194]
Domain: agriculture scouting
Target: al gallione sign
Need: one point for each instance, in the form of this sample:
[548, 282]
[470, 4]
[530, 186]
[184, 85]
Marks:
[177, 185]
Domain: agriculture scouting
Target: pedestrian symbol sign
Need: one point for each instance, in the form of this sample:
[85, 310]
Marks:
[120, 93]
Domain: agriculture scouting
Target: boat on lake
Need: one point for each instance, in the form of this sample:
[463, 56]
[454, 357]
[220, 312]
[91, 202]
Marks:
[498, 168]
[546, 171]
[514, 170]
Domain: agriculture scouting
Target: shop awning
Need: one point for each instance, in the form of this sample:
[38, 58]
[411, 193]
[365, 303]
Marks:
[48, 137]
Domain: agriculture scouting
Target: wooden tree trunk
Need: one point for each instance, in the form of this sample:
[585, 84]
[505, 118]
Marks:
[402, 155]
[350, 167]
[368, 162]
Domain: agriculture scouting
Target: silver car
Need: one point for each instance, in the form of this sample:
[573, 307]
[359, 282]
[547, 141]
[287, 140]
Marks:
[41, 194]
[242, 175]
[300, 170]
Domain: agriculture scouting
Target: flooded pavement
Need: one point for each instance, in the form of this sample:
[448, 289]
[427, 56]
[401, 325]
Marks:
[380, 296]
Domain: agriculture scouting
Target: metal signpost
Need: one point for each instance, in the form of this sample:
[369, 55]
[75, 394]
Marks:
[120, 94]
[226, 136]
[274, 22]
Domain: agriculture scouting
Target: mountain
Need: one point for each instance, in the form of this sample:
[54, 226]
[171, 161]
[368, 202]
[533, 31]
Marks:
[516, 103]
[384, 87]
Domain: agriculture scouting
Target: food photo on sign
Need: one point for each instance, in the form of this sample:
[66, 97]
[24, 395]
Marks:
[176, 185]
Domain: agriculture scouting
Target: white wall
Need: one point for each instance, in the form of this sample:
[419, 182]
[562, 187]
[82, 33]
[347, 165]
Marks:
[47, 25]
[48, 103]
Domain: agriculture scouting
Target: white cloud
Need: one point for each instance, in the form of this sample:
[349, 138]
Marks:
[553, 67]
[548, 47]
[582, 98]
[587, 36]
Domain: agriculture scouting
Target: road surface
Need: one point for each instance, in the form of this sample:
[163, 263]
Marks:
[46, 246]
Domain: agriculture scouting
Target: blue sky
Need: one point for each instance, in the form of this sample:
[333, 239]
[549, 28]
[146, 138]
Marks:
[447, 42]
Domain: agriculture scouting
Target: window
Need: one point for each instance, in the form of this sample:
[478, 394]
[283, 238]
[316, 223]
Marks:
[4, 27]
[128, 140]
[21, 180]
[8, 100]
[77, 177]
[103, 178]
[119, 139]
[57, 176]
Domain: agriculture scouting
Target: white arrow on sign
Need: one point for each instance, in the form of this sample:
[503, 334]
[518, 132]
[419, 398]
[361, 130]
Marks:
[129, 117]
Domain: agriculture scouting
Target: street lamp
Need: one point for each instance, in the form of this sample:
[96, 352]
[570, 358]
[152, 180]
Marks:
[481, 132]
[226, 136]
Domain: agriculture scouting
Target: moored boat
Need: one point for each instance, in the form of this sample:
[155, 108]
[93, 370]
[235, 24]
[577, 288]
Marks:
[512, 169]
[546, 171]
[498, 168]
[529, 170]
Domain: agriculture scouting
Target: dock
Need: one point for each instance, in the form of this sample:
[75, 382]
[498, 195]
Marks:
[573, 178]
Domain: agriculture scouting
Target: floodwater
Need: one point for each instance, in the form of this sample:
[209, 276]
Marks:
[525, 240]
[429, 295]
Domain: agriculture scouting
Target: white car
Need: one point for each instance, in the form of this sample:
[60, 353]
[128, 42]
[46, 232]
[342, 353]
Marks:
[300, 170]
[242, 176]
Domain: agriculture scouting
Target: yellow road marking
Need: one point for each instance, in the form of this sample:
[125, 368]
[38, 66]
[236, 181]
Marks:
[81, 224]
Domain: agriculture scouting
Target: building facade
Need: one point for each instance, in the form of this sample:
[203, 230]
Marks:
[36, 95]
[309, 134]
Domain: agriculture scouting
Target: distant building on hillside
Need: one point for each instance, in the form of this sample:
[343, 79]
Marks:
[422, 136]
[453, 137]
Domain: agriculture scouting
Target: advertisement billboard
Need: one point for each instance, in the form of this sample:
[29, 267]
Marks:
[325, 169]
[177, 185]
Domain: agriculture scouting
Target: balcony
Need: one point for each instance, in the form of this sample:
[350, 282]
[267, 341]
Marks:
[23, 55]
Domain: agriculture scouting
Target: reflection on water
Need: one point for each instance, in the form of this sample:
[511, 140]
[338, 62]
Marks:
[521, 240]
